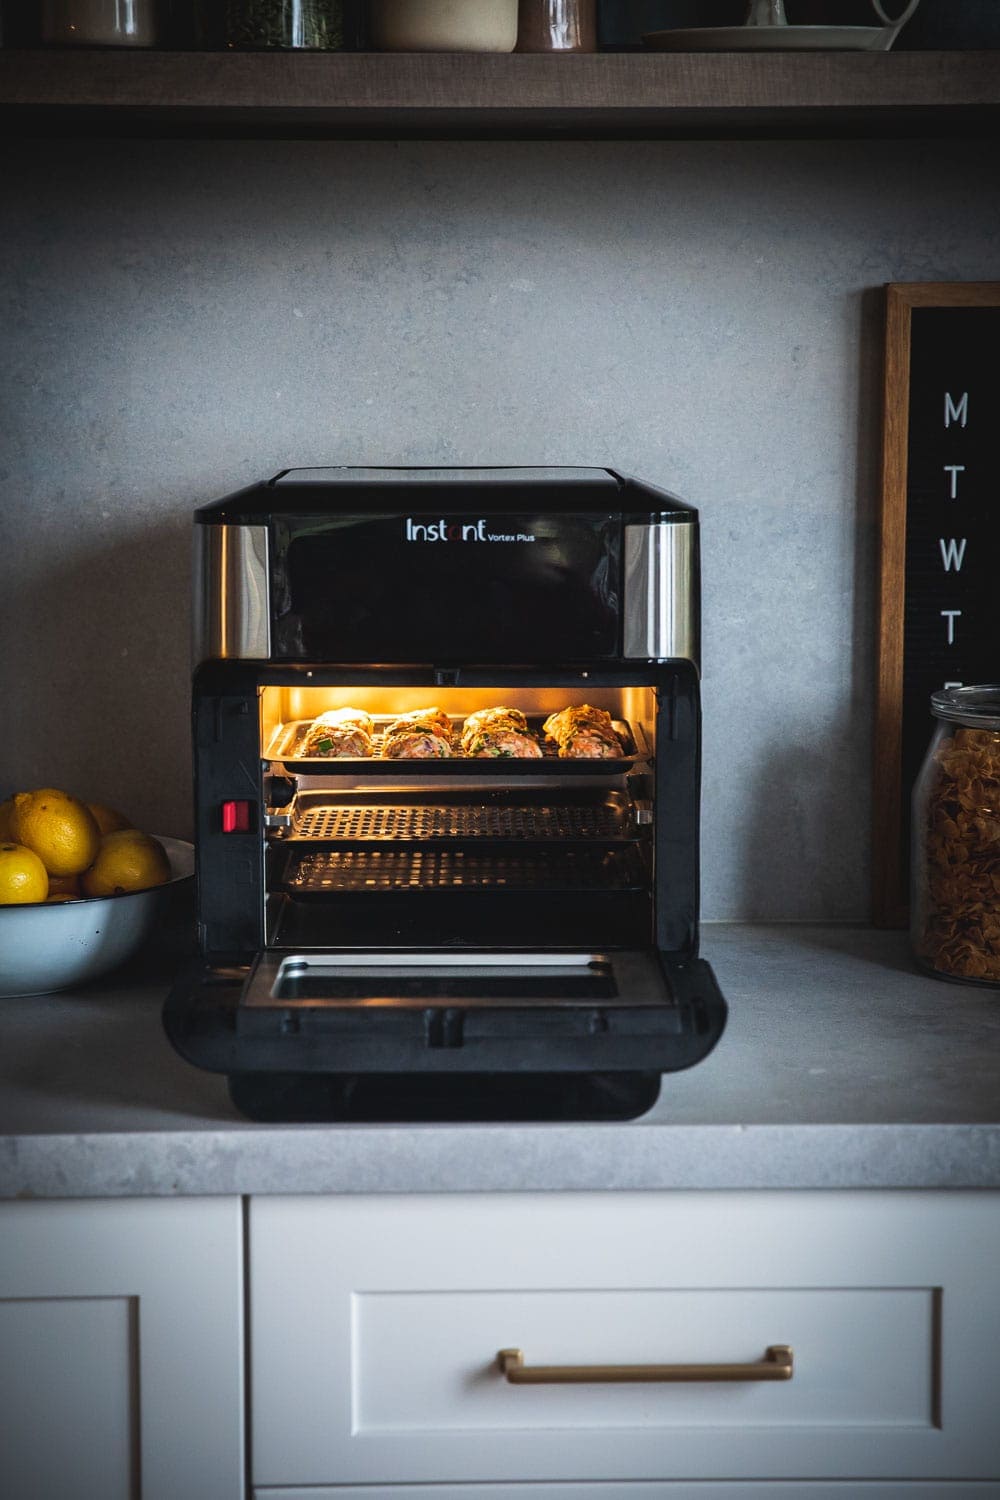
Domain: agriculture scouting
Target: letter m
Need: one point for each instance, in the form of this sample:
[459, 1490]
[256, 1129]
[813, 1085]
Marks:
[953, 413]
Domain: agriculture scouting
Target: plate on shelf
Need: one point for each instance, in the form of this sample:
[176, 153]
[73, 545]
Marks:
[771, 39]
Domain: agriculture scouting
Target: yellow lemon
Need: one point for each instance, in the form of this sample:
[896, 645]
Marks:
[6, 817]
[60, 829]
[107, 819]
[23, 877]
[128, 861]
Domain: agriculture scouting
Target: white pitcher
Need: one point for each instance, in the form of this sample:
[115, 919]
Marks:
[772, 13]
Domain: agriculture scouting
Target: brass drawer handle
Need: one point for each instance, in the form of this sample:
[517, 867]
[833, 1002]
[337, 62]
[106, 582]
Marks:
[777, 1364]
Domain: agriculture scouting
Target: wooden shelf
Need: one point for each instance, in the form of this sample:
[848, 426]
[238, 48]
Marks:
[598, 94]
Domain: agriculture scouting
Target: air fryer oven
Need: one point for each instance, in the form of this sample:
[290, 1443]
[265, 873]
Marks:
[458, 937]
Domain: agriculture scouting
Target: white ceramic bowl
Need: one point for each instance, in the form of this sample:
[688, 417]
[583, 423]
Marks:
[50, 947]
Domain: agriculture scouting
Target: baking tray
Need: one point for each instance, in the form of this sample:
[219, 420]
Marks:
[287, 739]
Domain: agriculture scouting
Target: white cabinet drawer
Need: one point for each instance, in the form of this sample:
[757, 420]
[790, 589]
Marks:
[376, 1325]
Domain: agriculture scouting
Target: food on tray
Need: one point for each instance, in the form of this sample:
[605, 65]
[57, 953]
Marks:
[340, 732]
[493, 719]
[580, 732]
[415, 744]
[434, 719]
[504, 744]
[499, 733]
[353, 717]
[583, 732]
[421, 734]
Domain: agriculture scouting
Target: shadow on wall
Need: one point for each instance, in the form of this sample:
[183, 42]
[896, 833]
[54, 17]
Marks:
[800, 856]
[807, 853]
[97, 661]
[864, 667]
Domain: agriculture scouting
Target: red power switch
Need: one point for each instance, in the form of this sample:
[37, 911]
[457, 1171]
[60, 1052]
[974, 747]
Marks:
[236, 817]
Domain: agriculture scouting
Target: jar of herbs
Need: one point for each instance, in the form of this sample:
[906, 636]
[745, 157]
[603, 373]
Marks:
[955, 853]
[278, 25]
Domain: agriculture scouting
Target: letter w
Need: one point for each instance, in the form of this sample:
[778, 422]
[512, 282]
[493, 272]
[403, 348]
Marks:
[952, 553]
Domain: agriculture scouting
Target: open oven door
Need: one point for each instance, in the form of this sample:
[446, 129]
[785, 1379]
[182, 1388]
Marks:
[487, 1034]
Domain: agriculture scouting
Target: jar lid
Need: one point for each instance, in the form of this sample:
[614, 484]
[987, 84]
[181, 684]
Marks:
[976, 707]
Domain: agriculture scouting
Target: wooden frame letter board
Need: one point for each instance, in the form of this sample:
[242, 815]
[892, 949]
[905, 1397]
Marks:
[939, 618]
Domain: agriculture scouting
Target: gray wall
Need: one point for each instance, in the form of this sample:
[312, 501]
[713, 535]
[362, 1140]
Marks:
[184, 317]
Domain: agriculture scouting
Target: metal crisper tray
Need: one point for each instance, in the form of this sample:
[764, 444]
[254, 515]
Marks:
[522, 815]
[508, 840]
[287, 739]
[559, 869]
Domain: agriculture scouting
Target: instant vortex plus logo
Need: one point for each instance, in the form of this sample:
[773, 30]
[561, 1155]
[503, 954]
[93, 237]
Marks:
[460, 531]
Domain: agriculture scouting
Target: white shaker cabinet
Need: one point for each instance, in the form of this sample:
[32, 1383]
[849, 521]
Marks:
[121, 1350]
[377, 1323]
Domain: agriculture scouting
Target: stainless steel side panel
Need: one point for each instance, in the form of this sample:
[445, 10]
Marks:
[662, 592]
[232, 614]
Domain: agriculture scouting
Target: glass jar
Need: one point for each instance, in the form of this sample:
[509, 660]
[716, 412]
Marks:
[557, 26]
[955, 854]
[97, 23]
[290, 25]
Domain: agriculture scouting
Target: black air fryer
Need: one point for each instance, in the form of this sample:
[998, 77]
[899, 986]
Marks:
[447, 766]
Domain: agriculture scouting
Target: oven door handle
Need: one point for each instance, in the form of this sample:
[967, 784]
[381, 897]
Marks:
[777, 1364]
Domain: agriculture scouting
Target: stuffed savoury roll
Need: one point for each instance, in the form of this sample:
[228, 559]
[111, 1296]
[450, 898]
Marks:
[583, 732]
[338, 733]
[499, 733]
[423, 734]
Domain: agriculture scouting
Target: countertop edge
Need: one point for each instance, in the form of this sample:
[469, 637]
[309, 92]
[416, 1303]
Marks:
[424, 1159]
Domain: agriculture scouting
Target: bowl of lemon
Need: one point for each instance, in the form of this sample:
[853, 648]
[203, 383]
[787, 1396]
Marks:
[81, 890]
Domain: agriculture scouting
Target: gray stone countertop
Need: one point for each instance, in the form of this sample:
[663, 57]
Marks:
[840, 1067]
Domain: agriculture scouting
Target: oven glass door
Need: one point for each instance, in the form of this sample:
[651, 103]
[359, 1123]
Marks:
[433, 588]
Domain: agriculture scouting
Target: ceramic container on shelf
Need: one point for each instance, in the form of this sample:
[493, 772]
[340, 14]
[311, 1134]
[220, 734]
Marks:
[443, 25]
[557, 26]
[955, 846]
[98, 23]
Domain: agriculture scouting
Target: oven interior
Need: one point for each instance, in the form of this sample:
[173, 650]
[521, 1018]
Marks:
[506, 854]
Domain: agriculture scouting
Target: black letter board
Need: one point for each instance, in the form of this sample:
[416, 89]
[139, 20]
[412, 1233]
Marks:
[940, 538]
